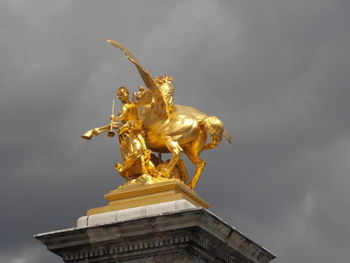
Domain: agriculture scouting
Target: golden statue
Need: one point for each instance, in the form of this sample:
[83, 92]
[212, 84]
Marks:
[136, 156]
[152, 122]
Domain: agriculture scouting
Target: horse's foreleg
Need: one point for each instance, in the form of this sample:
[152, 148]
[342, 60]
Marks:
[87, 135]
[176, 150]
[96, 131]
[99, 130]
[127, 164]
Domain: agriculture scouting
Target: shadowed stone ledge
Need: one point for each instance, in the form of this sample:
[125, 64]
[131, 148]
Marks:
[191, 235]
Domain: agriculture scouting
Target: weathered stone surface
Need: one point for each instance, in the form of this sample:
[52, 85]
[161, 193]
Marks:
[192, 235]
[132, 213]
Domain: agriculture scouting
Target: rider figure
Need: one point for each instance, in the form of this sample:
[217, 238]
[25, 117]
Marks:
[132, 143]
[128, 111]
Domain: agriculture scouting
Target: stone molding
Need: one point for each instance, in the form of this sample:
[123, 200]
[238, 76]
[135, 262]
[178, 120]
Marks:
[145, 195]
[194, 233]
[133, 213]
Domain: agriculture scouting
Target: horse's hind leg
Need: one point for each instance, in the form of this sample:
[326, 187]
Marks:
[199, 163]
[192, 152]
[176, 150]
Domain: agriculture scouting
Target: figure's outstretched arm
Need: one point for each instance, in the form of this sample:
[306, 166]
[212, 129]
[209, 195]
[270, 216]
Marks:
[122, 114]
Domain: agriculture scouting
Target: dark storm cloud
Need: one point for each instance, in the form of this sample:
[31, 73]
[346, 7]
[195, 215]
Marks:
[275, 71]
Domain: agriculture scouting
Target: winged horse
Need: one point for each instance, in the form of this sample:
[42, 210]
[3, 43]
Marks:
[171, 128]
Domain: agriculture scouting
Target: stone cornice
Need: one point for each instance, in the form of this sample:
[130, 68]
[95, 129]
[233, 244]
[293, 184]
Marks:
[196, 230]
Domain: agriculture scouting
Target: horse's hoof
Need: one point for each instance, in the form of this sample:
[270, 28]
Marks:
[119, 167]
[164, 172]
[86, 137]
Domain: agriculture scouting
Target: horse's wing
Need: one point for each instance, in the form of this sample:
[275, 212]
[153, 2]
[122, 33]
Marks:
[145, 75]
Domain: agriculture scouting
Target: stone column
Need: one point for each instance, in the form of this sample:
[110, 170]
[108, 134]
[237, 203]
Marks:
[175, 231]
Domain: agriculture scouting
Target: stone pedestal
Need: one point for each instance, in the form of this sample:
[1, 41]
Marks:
[148, 194]
[175, 231]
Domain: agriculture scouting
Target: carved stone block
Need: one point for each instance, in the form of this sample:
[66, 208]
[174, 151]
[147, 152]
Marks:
[192, 235]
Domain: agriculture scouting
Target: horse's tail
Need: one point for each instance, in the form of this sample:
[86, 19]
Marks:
[227, 136]
[215, 128]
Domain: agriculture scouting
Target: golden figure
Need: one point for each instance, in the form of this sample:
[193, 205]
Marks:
[136, 157]
[128, 112]
[166, 127]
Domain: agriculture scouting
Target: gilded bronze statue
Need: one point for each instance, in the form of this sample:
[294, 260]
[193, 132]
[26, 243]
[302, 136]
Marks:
[152, 122]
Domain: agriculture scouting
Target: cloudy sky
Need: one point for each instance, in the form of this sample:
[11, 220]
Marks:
[275, 71]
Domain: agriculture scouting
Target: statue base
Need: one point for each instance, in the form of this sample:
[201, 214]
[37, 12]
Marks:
[145, 191]
[152, 220]
[190, 235]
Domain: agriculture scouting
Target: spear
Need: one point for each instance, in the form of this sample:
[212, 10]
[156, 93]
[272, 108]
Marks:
[111, 132]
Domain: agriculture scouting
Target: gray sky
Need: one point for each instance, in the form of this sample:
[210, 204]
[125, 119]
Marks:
[275, 71]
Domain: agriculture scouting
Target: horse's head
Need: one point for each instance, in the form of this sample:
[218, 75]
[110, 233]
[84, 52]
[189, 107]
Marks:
[157, 102]
[165, 84]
